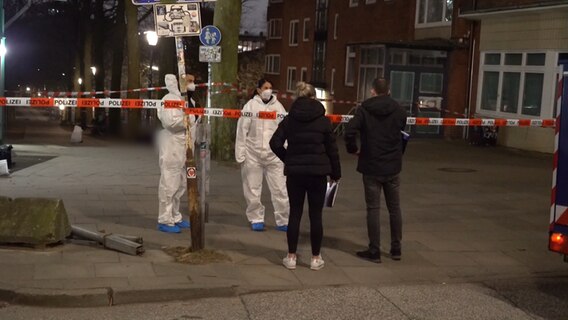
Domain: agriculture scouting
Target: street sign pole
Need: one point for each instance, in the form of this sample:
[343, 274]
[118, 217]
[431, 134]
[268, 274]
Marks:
[210, 37]
[195, 212]
[3, 111]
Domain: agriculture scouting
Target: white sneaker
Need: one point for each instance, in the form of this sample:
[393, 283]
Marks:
[317, 263]
[289, 263]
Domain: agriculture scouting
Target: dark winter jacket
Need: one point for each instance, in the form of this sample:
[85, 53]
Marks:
[312, 149]
[379, 121]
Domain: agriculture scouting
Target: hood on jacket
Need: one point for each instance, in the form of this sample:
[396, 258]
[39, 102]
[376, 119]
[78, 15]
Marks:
[172, 84]
[379, 106]
[306, 109]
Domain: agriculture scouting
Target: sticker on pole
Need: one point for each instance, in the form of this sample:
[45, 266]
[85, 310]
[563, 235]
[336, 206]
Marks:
[177, 20]
[151, 2]
[209, 54]
[191, 173]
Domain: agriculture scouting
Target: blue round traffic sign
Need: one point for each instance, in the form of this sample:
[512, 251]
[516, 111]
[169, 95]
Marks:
[210, 36]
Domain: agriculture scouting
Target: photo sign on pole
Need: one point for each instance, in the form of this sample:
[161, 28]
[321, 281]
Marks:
[151, 2]
[177, 20]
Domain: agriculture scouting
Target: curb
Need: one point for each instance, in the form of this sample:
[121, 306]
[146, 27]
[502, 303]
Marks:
[107, 297]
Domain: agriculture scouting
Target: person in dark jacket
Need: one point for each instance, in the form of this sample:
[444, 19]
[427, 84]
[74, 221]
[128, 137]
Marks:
[310, 157]
[379, 121]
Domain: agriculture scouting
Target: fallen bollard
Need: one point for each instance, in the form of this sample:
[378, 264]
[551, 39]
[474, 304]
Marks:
[131, 245]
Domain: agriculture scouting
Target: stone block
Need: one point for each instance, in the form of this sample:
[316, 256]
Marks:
[33, 221]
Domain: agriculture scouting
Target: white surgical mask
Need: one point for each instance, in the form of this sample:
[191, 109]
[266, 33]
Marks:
[266, 94]
[191, 86]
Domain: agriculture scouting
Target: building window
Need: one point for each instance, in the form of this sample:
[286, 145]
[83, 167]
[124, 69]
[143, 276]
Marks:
[318, 74]
[306, 35]
[335, 26]
[350, 66]
[516, 83]
[353, 3]
[292, 80]
[272, 64]
[275, 29]
[432, 83]
[371, 67]
[370, 1]
[304, 74]
[321, 15]
[434, 12]
[293, 33]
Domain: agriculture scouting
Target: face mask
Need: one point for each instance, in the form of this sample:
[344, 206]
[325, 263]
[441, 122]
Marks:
[266, 94]
[191, 86]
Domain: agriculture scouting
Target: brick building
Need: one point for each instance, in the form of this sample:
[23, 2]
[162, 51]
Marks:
[438, 55]
[519, 46]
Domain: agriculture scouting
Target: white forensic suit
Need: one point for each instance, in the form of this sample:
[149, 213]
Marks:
[171, 141]
[252, 151]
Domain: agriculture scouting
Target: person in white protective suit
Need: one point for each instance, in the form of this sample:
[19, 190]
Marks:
[172, 141]
[252, 151]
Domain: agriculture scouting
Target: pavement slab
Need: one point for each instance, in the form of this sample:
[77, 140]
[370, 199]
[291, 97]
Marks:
[458, 227]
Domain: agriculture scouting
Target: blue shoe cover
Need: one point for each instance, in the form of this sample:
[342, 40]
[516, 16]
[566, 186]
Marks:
[282, 228]
[170, 229]
[258, 226]
[183, 224]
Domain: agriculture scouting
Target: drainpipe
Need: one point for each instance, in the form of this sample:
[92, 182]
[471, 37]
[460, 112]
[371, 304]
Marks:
[472, 44]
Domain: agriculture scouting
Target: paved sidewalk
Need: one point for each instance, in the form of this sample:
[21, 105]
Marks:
[470, 214]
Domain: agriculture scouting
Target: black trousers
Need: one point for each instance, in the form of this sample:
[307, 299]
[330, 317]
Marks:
[298, 187]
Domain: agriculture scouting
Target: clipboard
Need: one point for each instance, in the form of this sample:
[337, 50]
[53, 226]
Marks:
[331, 194]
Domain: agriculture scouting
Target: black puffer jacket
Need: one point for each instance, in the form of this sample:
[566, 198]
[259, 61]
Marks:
[312, 149]
[379, 121]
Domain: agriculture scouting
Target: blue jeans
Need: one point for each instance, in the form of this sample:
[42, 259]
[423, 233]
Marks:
[373, 186]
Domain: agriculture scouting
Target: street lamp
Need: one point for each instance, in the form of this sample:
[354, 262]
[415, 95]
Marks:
[80, 81]
[152, 38]
[94, 70]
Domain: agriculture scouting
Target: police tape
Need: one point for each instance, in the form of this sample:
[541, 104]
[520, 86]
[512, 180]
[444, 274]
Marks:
[109, 92]
[266, 115]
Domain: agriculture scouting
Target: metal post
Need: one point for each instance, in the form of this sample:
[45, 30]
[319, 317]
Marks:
[3, 110]
[195, 212]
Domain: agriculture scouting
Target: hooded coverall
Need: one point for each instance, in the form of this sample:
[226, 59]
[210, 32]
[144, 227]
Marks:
[171, 141]
[252, 151]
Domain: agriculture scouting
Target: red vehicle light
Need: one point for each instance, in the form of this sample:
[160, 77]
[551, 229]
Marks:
[557, 238]
[558, 243]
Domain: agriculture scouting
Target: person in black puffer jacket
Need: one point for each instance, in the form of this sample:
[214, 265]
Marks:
[379, 121]
[310, 157]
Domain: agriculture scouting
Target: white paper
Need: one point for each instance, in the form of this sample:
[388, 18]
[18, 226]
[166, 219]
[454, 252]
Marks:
[331, 194]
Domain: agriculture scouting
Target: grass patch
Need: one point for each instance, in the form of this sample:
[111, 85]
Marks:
[185, 255]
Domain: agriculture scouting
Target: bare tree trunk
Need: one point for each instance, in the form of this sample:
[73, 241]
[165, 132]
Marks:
[133, 47]
[98, 53]
[227, 18]
[117, 60]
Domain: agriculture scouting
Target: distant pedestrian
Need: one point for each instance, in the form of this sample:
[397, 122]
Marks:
[379, 121]
[257, 161]
[309, 158]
